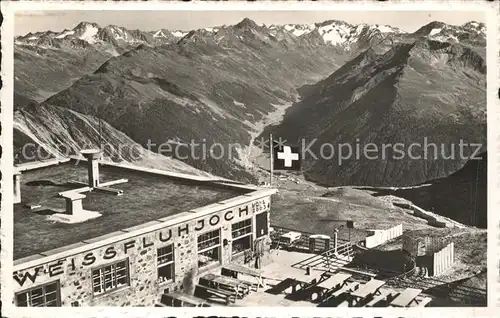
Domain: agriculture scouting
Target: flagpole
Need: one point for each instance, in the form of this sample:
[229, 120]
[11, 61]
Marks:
[271, 144]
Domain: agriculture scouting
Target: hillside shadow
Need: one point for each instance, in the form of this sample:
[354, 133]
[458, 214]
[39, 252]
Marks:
[461, 196]
[388, 263]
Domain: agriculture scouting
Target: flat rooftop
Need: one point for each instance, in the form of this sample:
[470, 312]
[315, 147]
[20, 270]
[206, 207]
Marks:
[146, 197]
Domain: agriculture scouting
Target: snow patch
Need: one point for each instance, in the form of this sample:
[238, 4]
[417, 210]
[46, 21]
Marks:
[159, 34]
[330, 36]
[65, 34]
[119, 34]
[335, 34]
[219, 39]
[89, 34]
[179, 34]
[32, 38]
[435, 31]
[238, 103]
[112, 51]
[385, 28]
[297, 32]
[214, 108]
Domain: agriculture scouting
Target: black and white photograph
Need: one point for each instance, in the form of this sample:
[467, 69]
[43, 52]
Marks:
[249, 158]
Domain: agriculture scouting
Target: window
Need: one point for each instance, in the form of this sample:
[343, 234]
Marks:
[208, 248]
[110, 277]
[242, 236]
[165, 263]
[47, 295]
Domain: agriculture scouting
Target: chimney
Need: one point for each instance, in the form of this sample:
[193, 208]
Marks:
[17, 187]
[74, 205]
[93, 156]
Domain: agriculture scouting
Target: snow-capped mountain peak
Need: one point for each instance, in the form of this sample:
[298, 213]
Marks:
[86, 31]
[472, 32]
[332, 32]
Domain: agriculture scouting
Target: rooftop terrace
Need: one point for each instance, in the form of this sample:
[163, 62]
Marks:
[146, 197]
[282, 266]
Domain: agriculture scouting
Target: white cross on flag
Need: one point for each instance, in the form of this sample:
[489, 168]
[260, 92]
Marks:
[286, 158]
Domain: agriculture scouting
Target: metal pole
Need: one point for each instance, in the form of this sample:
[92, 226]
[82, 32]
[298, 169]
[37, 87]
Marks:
[271, 145]
[100, 134]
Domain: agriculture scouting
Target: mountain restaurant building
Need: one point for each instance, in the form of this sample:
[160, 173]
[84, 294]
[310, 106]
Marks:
[103, 234]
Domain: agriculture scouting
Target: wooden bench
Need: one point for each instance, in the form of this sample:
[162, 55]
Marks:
[225, 283]
[177, 299]
[243, 286]
[375, 300]
[281, 286]
[332, 283]
[421, 303]
[366, 292]
[335, 301]
[406, 297]
[233, 270]
[227, 296]
[337, 297]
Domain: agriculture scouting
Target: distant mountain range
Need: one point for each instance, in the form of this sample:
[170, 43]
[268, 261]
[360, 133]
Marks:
[58, 59]
[219, 84]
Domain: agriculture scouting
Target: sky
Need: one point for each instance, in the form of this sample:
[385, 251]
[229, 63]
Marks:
[410, 21]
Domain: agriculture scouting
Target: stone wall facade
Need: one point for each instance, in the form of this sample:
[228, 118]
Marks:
[73, 269]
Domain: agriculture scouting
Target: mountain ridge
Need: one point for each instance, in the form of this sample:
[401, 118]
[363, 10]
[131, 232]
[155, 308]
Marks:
[88, 45]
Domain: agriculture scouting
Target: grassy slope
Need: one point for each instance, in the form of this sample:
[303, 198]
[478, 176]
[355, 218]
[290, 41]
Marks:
[313, 212]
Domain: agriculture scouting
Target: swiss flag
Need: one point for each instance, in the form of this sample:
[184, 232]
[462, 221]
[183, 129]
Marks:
[286, 157]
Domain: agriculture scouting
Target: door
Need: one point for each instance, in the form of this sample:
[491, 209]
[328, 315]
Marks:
[261, 224]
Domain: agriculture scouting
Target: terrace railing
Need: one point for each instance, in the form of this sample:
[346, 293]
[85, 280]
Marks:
[329, 260]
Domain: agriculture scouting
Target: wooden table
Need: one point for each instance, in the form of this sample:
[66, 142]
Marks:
[333, 283]
[226, 283]
[229, 297]
[370, 288]
[421, 303]
[406, 297]
[233, 270]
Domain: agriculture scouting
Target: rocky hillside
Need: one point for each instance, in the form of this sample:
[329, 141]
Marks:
[46, 132]
[423, 92]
